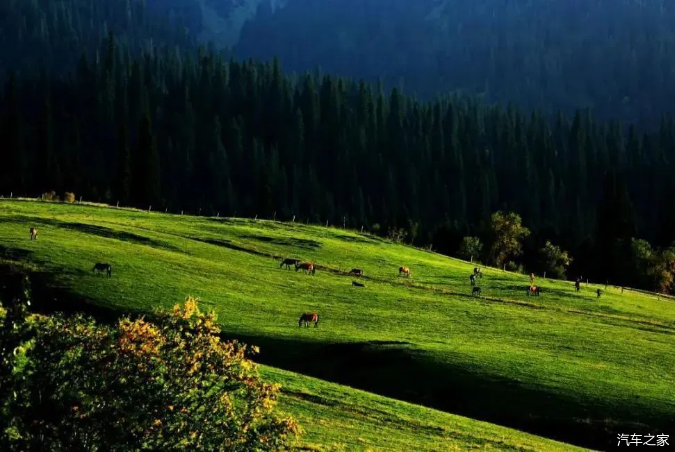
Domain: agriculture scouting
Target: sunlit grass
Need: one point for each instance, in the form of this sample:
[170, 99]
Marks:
[563, 356]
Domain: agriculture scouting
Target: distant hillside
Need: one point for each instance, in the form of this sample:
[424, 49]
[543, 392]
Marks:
[617, 57]
[564, 365]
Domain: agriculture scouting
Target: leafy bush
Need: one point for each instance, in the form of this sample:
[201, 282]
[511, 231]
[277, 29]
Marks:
[50, 196]
[165, 385]
[69, 197]
[397, 235]
[469, 248]
[555, 260]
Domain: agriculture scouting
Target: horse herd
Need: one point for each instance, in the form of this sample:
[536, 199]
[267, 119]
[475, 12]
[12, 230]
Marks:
[310, 269]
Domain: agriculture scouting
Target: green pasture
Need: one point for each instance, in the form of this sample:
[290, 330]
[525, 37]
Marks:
[567, 366]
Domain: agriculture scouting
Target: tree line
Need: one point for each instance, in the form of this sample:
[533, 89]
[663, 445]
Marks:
[187, 129]
[615, 57]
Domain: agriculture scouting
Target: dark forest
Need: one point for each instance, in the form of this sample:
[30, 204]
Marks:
[102, 100]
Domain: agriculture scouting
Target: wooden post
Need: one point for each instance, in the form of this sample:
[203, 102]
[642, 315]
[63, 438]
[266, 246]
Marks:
[10, 195]
[80, 199]
[118, 204]
[256, 218]
[504, 267]
[181, 212]
[544, 275]
[586, 282]
[471, 260]
[326, 223]
[361, 229]
[293, 220]
[344, 222]
[200, 211]
[217, 214]
[166, 210]
[274, 217]
[149, 209]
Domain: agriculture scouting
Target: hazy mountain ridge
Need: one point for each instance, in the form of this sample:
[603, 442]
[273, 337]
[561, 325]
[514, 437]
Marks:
[556, 54]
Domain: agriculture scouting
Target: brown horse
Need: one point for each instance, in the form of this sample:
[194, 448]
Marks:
[404, 271]
[308, 267]
[288, 262]
[307, 318]
[356, 271]
[533, 290]
[33, 233]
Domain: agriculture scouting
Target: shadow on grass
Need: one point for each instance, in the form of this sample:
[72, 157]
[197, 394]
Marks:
[402, 371]
[99, 231]
[292, 241]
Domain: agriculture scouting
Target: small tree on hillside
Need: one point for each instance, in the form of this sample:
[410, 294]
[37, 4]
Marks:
[663, 270]
[507, 236]
[170, 385]
[555, 260]
[469, 248]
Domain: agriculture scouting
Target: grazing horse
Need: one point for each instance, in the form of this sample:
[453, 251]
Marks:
[357, 284]
[404, 270]
[33, 233]
[599, 292]
[307, 318]
[308, 267]
[477, 272]
[533, 290]
[476, 292]
[577, 285]
[102, 267]
[472, 278]
[356, 271]
[288, 262]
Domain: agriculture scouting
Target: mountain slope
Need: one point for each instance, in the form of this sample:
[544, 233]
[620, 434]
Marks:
[616, 57]
[571, 367]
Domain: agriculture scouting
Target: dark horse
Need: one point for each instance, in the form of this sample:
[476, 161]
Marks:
[33, 233]
[472, 278]
[476, 291]
[103, 267]
[288, 262]
[308, 318]
[356, 271]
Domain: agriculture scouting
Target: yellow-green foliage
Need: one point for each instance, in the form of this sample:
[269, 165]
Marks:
[69, 197]
[169, 385]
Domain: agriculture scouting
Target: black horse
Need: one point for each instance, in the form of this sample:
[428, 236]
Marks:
[288, 262]
[99, 267]
[476, 292]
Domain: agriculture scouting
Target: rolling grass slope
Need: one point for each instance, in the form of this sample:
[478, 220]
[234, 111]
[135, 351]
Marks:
[567, 366]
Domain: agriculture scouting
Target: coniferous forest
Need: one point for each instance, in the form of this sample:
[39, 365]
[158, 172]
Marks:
[102, 100]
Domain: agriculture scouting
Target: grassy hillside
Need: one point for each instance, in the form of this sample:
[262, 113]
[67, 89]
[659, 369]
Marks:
[564, 365]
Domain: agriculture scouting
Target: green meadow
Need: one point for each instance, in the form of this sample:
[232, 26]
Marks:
[566, 366]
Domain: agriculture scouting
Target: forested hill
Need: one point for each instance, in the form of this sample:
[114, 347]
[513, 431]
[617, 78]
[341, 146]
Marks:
[617, 56]
[190, 131]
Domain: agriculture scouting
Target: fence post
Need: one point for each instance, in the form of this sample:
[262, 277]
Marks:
[118, 204]
[471, 260]
[544, 275]
[256, 218]
[166, 210]
[149, 209]
[218, 215]
[200, 211]
[326, 223]
[344, 222]
[274, 217]
[504, 267]
[293, 220]
[361, 229]
[10, 195]
[80, 198]
[181, 212]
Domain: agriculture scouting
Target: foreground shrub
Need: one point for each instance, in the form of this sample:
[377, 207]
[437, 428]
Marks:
[166, 385]
[50, 196]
